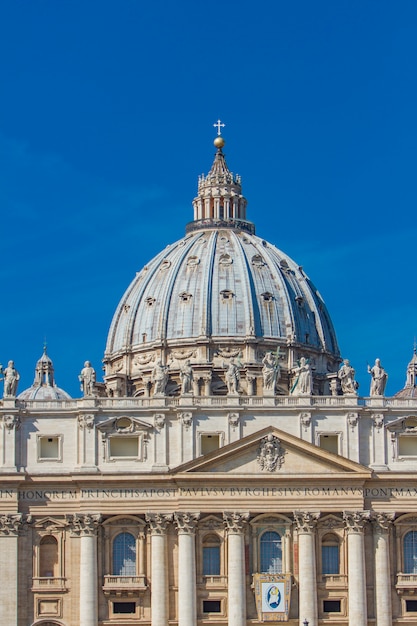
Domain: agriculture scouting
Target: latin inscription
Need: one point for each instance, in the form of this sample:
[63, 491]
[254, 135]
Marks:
[207, 492]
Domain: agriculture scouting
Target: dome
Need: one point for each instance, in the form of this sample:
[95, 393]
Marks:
[218, 293]
[44, 387]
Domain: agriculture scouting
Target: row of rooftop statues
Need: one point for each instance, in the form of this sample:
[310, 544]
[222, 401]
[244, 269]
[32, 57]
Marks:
[302, 381]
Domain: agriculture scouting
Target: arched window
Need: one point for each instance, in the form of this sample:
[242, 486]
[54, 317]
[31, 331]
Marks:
[330, 563]
[271, 553]
[48, 557]
[410, 552]
[211, 556]
[124, 555]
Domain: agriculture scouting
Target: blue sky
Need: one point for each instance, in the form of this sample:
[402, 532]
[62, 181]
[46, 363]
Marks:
[106, 113]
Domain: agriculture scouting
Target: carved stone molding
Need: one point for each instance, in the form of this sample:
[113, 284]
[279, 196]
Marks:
[235, 521]
[86, 421]
[378, 420]
[11, 524]
[158, 522]
[306, 521]
[186, 522]
[382, 522]
[270, 454]
[305, 419]
[11, 421]
[355, 521]
[186, 418]
[159, 421]
[211, 523]
[353, 419]
[83, 524]
[233, 419]
[331, 522]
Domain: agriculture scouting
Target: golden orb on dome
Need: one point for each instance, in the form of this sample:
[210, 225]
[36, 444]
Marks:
[219, 142]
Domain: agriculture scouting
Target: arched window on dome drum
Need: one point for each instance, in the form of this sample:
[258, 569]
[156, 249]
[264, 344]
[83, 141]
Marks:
[271, 553]
[330, 563]
[410, 552]
[124, 555]
[48, 557]
[211, 556]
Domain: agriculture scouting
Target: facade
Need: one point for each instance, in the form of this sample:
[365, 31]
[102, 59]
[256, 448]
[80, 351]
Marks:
[226, 471]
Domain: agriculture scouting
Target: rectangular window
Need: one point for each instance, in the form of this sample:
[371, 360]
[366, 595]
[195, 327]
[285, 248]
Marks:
[411, 606]
[211, 561]
[211, 606]
[124, 607]
[407, 446]
[330, 443]
[330, 559]
[209, 443]
[124, 447]
[331, 606]
[49, 448]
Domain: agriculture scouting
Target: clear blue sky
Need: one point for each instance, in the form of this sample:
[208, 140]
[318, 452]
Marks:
[106, 113]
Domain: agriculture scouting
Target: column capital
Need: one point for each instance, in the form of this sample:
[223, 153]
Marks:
[10, 524]
[158, 522]
[382, 522]
[83, 524]
[11, 421]
[306, 521]
[186, 522]
[235, 521]
[355, 520]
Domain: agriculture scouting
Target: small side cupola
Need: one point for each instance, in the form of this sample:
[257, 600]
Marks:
[410, 387]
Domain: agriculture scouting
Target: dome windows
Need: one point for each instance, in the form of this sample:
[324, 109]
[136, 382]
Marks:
[185, 296]
[226, 294]
[225, 259]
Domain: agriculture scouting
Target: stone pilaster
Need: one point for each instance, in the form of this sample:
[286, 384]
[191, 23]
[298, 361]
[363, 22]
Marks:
[235, 523]
[11, 424]
[306, 523]
[382, 523]
[355, 523]
[85, 527]
[10, 525]
[158, 523]
[187, 589]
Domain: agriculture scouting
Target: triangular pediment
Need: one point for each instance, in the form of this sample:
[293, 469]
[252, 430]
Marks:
[404, 424]
[289, 455]
[123, 425]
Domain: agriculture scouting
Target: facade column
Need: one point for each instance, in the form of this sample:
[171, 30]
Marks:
[306, 524]
[236, 606]
[381, 525]
[11, 424]
[158, 523]
[355, 523]
[9, 537]
[85, 527]
[187, 586]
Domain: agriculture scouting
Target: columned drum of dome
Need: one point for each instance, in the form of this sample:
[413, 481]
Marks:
[219, 293]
